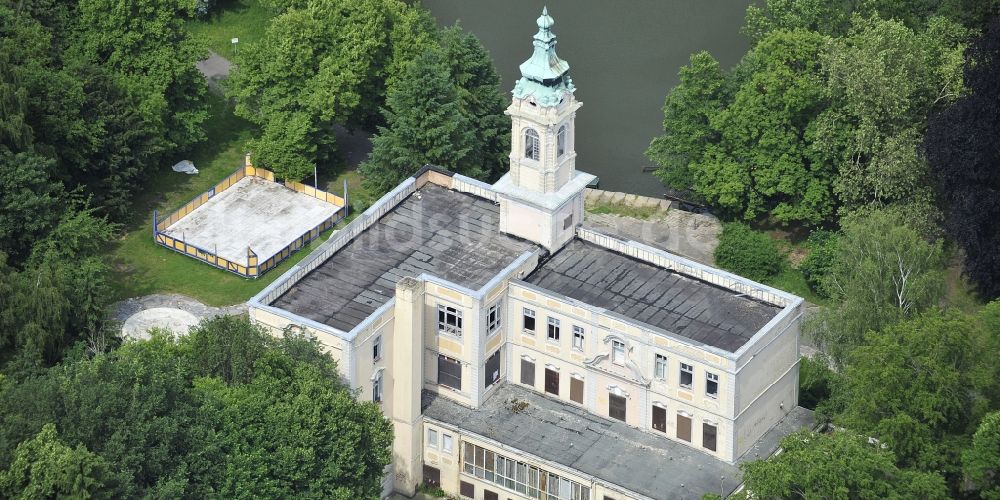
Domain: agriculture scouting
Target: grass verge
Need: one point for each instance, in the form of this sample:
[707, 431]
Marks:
[242, 19]
[625, 210]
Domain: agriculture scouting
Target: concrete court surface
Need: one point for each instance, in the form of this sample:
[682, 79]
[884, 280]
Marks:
[176, 320]
[254, 212]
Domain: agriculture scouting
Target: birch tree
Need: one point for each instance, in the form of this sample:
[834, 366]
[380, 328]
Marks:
[884, 271]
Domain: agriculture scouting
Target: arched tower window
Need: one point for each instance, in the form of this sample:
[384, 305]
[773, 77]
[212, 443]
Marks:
[561, 141]
[531, 144]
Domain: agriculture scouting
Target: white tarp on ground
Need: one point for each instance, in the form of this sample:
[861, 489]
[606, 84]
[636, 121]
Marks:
[185, 166]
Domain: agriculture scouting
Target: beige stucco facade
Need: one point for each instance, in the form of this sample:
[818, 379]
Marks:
[439, 338]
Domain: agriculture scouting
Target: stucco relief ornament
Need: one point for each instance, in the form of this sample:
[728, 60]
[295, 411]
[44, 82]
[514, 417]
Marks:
[601, 357]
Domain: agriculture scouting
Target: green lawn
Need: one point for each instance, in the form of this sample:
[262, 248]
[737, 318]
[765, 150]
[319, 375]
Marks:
[624, 210]
[142, 267]
[243, 19]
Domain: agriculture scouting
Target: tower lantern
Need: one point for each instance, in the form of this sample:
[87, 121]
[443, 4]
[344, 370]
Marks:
[543, 184]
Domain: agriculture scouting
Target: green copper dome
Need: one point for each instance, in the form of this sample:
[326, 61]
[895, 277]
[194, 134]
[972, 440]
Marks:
[544, 76]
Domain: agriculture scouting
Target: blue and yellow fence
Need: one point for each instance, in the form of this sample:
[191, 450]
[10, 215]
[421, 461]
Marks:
[252, 268]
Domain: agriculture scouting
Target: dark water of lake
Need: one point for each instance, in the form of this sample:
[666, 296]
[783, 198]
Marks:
[624, 57]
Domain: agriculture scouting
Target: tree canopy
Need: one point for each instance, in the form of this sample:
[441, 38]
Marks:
[824, 115]
[965, 163]
[883, 271]
[836, 465]
[982, 459]
[917, 386]
[425, 124]
[225, 412]
[102, 90]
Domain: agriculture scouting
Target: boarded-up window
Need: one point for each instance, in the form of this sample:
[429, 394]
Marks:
[432, 475]
[527, 372]
[552, 381]
[684, 428]
[659, 419]
[576, 390]
[708, 433]
[616, 407]
[449, 372]
[467, 490]
[490, 495]
[493, 369]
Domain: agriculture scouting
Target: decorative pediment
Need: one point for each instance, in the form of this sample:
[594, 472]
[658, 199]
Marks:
[599, 361]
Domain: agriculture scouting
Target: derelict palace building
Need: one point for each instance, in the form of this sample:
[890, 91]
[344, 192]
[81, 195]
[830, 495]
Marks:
[520, 354]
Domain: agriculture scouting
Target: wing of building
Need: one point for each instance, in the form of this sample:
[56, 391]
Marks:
[521, 355]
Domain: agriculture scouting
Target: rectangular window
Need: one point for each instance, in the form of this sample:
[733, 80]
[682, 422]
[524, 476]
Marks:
[432, 475]
[432, 438]
[517, 476]
[711, 385]
[660, 419]
[467, 490]
[553, 329]
[490, 495]
[446, 443]
[493, 368]
[377, 349]
[568, 222]
[683, 428]
[687, 375]
[616, 407]
[660, 370]
[529, 320]
[708, 433]
[493, 318]
[578, 337]
[576, 390]
[618, 352]
[527, 372]
[377, 388]
[449, 372]
[449, 320]
[551, 381]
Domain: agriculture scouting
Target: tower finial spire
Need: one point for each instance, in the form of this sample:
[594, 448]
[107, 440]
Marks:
[544, 75]
[545, 22]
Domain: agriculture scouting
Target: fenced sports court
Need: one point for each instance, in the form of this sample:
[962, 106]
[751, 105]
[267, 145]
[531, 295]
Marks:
[248, 223]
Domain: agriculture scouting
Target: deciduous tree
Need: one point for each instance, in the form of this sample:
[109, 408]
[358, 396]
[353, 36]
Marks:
[45, 467]
[842, 464]
[883, 272]
[917, 387]
[687, 112]
[763, 163]
[884, 80]
[965, 163]
[982, 459]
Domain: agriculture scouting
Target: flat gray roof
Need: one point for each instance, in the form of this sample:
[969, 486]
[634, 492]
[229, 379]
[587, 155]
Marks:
[659, 297]
[609, 450]
[451, 235]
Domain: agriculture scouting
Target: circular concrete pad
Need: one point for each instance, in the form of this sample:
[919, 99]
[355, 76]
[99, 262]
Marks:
[177, 321]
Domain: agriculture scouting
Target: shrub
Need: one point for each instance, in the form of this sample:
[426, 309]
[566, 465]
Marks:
[748, 253]
[815, 382]
[822, 247]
